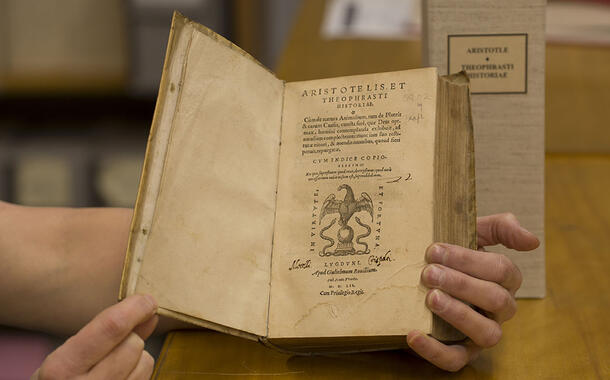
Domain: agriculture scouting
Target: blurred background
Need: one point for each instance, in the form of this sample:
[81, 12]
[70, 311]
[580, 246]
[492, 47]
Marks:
[78, 84]
[79, 79]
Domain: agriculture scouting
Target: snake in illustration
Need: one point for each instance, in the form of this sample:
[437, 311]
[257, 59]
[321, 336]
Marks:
[327, 238]
[362, 236]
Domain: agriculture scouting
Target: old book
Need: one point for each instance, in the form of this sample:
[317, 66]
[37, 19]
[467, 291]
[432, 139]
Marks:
[298, 213]
[501, 46]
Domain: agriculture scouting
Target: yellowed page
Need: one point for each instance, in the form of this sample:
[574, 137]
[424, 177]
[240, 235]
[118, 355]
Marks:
[343, 265]
[205, 251]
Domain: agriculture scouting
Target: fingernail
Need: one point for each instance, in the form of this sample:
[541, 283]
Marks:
[436, 300]
[432, 275]
[412, 337]
[435, 253]
[135, 341]
[152, 301]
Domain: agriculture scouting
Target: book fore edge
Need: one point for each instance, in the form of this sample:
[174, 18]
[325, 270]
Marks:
[441, 329]
[128, 282]
[277, 186]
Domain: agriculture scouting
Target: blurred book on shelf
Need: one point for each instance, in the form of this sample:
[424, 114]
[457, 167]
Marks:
[578, 22]
[568, 21]
[90, 46]
[62, 46]
[65, 167]
[44, 180]
[362, 19]
[149, 22]
[117, 179]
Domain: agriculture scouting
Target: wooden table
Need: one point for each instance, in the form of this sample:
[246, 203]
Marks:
[563, 336]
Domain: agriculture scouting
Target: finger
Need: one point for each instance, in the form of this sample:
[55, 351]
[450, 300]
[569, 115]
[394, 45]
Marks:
[450, 358]
[484, 332]
[505, 229]
[109, 328]
[119, 363]
[146, 328]
[144, 369]
[486, 266]
[487, 295]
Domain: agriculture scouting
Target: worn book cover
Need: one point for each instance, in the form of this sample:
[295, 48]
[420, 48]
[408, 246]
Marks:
[298, 214]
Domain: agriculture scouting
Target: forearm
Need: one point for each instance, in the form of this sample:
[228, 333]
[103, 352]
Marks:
[62, 266]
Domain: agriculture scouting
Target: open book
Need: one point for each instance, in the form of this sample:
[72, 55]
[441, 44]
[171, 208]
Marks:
[298, 213]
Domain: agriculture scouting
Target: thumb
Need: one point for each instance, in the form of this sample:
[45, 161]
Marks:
[505, 229]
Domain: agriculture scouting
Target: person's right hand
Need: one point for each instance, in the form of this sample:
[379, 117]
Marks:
[111, 346]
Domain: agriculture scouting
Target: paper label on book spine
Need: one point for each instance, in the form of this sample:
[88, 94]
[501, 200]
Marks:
[495, 63]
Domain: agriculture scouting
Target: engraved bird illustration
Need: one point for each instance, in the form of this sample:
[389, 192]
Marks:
[348, 206]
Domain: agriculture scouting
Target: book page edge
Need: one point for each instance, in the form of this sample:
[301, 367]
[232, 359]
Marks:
[207, 324]
[157, 146]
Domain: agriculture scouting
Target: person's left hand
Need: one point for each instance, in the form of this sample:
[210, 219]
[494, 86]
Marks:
[111, 346]
[484, 279]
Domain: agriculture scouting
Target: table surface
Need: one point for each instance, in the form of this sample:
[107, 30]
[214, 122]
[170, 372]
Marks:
[564, 335]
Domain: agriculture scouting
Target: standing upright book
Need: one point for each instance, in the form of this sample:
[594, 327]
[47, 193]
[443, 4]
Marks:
[501, 46]
[298, 214]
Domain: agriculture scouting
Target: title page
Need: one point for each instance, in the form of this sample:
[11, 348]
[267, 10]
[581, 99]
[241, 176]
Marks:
[355, 206]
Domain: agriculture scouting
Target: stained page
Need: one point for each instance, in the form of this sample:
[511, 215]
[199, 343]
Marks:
[355, 206]
[204, 221]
